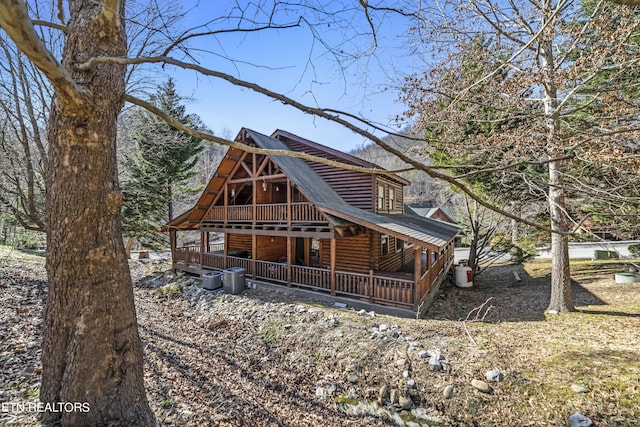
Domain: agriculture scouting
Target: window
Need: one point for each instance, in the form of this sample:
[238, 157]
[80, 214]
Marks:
[392, 205]
[380, 197]
[399, 244]
[384, 240]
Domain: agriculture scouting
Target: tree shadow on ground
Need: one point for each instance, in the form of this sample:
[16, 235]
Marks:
[239, 385]
[498, 296]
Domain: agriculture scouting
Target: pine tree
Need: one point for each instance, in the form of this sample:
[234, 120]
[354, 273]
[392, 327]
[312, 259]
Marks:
[159, 167]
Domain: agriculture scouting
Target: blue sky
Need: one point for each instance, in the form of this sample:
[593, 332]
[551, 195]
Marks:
[292, 62]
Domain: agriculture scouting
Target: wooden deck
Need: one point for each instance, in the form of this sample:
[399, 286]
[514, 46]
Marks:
[385, 288]
[266, 213]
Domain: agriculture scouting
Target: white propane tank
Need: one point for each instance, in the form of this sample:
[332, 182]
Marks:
[463, 276]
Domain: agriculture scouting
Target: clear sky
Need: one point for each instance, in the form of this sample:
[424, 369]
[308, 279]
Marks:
[295, 63]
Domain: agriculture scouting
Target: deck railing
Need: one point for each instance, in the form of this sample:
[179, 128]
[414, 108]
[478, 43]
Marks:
[317, 278]
[352, 284]
[271, 271]
[274, 212]
[377, 288]
[187, 254]
[388, 290]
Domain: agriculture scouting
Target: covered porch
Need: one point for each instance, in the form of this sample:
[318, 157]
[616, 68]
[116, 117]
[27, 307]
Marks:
[409, 290]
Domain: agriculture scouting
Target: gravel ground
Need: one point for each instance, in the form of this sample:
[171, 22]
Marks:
[263, 359]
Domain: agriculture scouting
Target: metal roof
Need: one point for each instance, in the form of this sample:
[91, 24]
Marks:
[410, 226]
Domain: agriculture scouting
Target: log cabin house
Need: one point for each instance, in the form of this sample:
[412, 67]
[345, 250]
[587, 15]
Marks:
[305, 224]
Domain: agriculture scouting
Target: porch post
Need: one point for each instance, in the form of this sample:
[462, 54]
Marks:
[417, 273]
[173, 242]
[289, 257]
[371, 286]
[371, 260]
[225, 250]
[332, 265]
[254, 253]
[289, 201]
[201, 251]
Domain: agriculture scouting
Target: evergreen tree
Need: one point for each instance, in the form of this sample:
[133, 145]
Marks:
[159, 168]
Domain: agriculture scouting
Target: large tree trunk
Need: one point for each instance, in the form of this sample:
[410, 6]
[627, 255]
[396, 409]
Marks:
[561, 295]
[91, 350]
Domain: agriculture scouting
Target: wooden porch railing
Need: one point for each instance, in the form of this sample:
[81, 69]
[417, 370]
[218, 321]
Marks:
[388, 290]
[380, 289]
[271, 271]
[317, 278]
[352, 284]
[187, 254]
[245, 263]
[275, 212]
[444, 261]
[305, 212]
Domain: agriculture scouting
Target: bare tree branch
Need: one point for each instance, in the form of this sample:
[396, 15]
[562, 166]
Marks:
[285, 153]
[15, 21]
[42, 23]
[319, 112]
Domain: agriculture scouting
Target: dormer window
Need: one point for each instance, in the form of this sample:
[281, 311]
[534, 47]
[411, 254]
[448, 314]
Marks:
[380, 197]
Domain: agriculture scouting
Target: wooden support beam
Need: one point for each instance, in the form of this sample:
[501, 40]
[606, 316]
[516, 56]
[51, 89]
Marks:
[417, 274]
[289, 258]
[262, 166]
[201, 251]
[254, 254]
[289, 201]
[246, 168]
[257, 178]
[371, 286]
[225, 251]
[332, 266]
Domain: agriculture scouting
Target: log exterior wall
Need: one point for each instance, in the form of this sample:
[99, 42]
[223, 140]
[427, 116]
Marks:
[271, 251]
[241, 242]
[396, 258]
[352, 253]
[354, 187]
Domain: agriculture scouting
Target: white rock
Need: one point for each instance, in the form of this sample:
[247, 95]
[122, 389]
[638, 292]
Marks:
[578, 388]
[494, 375]
[448, 392]
[579, 420]
[481, 386]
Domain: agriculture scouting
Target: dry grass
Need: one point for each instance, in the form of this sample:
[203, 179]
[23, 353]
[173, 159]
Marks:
[597, 347]
[255, 360]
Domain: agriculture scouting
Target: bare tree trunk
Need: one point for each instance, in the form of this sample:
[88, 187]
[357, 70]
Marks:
[127, 247]
[91, 348]
[561, 294]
